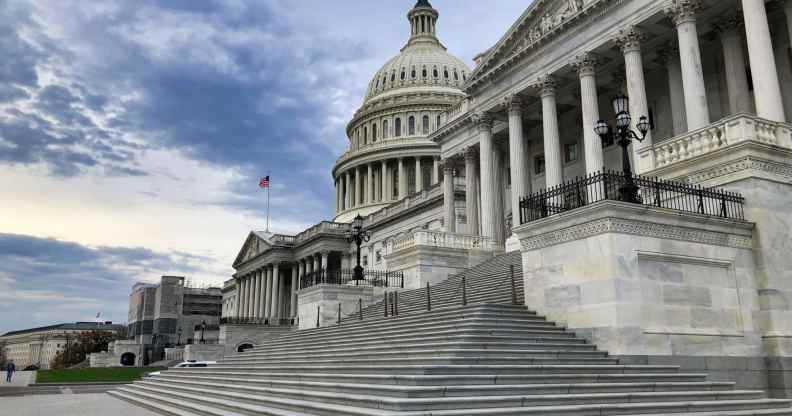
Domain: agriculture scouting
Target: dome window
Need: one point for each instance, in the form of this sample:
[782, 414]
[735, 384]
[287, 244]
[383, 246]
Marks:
[425, 124]
[435, 72]
[411, 126]
[425, 72]
[456, 75]
[437, 126]
[374, 132]
[393, 77]
[365, 135]
[397, 127]
[412, 73]
[464, 77]
[385, 129]
[403, 74]
[445, 73]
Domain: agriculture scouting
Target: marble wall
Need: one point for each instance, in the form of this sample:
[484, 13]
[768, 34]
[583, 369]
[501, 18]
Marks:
[325, 300]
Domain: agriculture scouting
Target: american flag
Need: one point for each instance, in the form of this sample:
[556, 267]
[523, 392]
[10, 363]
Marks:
[264, 182]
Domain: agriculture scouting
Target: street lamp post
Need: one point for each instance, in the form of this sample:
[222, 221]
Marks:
[358, 235]
[624, 136]
[203, 329]
[178, 341]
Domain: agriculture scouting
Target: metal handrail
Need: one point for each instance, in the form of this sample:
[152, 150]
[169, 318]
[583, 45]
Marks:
[611, 185]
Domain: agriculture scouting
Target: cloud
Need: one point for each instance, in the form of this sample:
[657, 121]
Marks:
[69, 280]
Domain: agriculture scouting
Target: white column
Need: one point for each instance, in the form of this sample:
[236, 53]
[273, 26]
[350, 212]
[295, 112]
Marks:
[262, 307]
[251, 301]
[370, 185]
[487, 175]
[418, 175]
[586, 66]
[402, 179]
[683, 13]
[730, 30]
[670, 58]
[499, 171]
[324, 258]
[767, 88]
[295, 287]
[256, 293]
[471, 191]
[275, 311]
[554, 171]
[268, 298]
[348, 189]
[384, 176]
[435, 171]
[358, 186]
[630, 42]
[448, 196]
[238, 302]
[520, 186]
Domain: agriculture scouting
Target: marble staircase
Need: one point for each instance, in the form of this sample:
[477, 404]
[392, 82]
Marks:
[488, 357]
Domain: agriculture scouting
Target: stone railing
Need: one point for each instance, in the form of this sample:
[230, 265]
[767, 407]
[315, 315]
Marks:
[723, 133]
[282, 239]
[382, 144]
[442, 239]
[324, 227]
[454, 112]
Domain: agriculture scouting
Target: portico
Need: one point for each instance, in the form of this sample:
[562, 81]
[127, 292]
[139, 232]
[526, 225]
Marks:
[540, 109]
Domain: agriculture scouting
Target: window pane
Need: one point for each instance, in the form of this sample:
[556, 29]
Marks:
[411, 126]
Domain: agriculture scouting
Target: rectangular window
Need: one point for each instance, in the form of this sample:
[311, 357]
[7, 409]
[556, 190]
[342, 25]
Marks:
[378, 256]
[539, 164]
[570, 152]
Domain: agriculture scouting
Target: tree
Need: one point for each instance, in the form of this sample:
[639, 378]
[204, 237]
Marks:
[80, 345]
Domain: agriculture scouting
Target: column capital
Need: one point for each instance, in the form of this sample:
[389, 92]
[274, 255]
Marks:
[471, 154]
[449, 165]
[585, 64]
[731, 24]
[546, 85]
[629, 39]
[483, 121]
[668, 53]
[683, 11]
[513, 103]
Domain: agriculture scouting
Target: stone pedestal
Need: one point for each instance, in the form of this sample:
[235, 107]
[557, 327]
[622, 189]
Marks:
[234, 336]
[204, 352]
[325, 300]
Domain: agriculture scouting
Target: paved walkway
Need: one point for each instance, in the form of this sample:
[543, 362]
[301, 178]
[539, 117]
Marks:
[20, 379]
[69, 405]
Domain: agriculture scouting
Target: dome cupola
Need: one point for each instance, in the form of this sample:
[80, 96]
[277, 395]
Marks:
[423, 20]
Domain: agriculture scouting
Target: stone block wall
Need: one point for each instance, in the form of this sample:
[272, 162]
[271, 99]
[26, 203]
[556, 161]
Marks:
[428, 264]
[233, 336]
[325, 300]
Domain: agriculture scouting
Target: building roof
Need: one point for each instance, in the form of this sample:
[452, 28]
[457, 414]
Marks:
[77, 326]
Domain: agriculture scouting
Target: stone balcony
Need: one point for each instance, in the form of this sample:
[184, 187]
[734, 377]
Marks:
[664, 156]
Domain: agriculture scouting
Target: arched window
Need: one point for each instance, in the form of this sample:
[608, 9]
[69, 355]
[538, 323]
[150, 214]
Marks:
[445, 73]
[385, 129]
[424, 73]
[365, 135]
[425, 124]
[413, 73]
[435, 73]
[456, 75]
[373, 132]
[411, 126]
[398, 127]
[393, 76]
[437, 126]
[403, 74]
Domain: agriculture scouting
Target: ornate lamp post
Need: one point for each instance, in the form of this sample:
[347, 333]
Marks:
[624, 136]
[358, 235]
[203, 329]
[178, 341]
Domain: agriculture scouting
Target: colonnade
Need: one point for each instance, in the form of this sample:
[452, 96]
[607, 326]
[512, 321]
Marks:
[374, 183]
[687, 94]
[261, 293]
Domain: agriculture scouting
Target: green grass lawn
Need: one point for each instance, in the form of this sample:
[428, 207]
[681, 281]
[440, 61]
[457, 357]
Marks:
[93, 375]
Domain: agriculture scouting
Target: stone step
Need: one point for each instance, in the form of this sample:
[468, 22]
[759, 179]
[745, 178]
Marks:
[445, 369]
[262, 395]
[416, 344]
[159, 407]
[185, 407]
[408, 352]
[447, 380]
[231, 383]
[432, 361]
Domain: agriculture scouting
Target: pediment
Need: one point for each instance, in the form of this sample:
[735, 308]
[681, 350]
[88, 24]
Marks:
[253, 246]
[540, 20]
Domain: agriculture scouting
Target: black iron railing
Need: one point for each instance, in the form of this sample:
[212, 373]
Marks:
[344, 277]
[612, 185]
[257, 321]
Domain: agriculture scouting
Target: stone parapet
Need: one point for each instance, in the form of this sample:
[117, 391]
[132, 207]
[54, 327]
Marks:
[319, 305]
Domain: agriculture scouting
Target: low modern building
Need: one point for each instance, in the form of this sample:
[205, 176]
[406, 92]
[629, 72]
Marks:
[39, 346]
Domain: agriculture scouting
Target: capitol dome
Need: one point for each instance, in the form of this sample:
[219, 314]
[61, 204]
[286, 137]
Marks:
[390, 156]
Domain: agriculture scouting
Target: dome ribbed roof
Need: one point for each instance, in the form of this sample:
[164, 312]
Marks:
[423, 62]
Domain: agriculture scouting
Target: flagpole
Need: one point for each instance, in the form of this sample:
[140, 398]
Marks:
[269, 188]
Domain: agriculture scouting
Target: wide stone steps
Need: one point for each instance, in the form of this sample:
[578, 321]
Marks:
[239, 384]
[479, 359]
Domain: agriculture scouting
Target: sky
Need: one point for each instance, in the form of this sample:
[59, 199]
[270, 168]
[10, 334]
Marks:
[133, 133]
